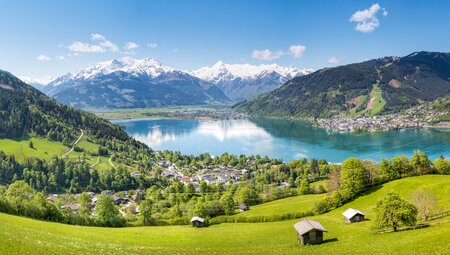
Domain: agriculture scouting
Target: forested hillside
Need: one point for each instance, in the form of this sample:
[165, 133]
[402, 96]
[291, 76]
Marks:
[26, 111]
[372, 87]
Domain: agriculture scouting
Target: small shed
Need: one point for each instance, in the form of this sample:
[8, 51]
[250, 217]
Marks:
[243, 207]
[352, 215]
[309, 232]
[198, 222]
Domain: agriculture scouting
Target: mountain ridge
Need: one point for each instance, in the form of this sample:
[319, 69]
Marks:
[403, 82]
[241, 81]
[132, 83]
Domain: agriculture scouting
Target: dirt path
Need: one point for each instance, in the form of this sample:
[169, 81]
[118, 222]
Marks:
[111, 163]
[98, 160]
[75, 143]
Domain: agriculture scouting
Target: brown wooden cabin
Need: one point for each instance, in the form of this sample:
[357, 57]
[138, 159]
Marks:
[352, 215]
[198, 222]
[309, 232]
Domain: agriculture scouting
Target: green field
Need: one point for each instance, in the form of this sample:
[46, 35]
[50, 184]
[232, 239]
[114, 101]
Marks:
[43, 148]
[25, 236]
[282, 206]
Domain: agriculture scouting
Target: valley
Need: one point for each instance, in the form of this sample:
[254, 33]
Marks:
[219, 127]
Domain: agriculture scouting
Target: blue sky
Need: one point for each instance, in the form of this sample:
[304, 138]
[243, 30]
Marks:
[41, 38]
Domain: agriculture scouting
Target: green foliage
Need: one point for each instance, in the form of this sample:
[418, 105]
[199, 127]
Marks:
[85, 208]
[421, 163]
[200, 210]
[392, 211]
[353, 177]
[441, 166]
[20, 191]
[145, 212]
[304, 188]
[227, 203]
[246, 195]
[106, 212]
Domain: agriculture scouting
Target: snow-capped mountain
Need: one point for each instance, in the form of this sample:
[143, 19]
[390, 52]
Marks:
[240, 81]
[39, 83]
[129, 82]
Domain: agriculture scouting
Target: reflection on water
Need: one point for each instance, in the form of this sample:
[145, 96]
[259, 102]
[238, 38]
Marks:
[282, 139]
[224, 129]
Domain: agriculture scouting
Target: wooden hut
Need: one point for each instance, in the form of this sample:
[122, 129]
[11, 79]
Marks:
[352, 215]
[243, 207]
[198, 222]
[309, 231]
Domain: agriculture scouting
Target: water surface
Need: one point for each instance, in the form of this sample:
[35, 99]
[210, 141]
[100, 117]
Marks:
[283, 139]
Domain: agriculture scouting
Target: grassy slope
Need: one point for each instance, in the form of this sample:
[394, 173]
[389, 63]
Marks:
[282, 206]
[378, 100]
[21, 235]
[43, 148]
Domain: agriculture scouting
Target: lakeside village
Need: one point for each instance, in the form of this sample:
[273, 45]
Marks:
[416, 117]
[204, 173]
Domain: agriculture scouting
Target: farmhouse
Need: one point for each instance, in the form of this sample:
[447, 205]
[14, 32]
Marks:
[352, 215]
[198, 222]
[309, 231]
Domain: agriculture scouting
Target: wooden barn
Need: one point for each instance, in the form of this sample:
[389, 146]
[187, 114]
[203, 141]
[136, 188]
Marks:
[352, 215]
[198, 222]
[309, 231]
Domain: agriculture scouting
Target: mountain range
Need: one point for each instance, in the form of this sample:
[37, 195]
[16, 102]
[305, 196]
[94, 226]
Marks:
[136, 83]
[131, 83]
[376, 86]
[242, 81]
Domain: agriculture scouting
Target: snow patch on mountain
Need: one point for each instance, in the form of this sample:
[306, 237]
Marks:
[221, 71]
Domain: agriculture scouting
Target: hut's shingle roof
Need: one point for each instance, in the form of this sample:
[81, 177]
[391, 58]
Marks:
[349, 213]
[307, 225]
[196, 218]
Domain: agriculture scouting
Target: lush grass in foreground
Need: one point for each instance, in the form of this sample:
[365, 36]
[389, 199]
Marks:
[25, 236]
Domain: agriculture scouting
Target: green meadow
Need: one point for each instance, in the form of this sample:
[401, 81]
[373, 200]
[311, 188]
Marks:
[42, 148]
[45, 149]
[20, 235]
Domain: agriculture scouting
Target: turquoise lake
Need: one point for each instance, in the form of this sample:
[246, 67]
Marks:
[283, 139]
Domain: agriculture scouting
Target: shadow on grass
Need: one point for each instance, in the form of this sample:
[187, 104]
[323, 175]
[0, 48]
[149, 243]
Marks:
[330, 240]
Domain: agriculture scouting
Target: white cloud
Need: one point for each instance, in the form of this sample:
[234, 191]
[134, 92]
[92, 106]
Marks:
[297, 50]
[85, 47]
[107, 44]
[96, 37]
[101, 45]
[175, 50]
[367, 20]
[42, 57]
[333, 60]
[152, 45]
[130, 45]
[60, 57]
[267, 54]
